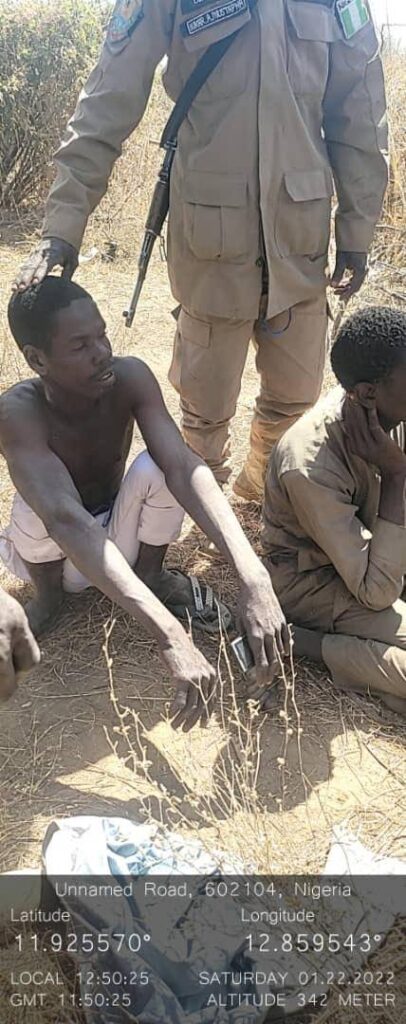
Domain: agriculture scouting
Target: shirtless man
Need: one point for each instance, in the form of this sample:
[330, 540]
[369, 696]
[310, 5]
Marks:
[78, 521]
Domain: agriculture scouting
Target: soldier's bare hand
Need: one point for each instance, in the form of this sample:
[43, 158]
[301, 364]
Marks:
[50, 253]
[19, 652]
[195, 682]
[349, 274]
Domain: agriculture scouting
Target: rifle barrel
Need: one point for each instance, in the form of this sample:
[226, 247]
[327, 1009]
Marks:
[153, 228]
[131, 311]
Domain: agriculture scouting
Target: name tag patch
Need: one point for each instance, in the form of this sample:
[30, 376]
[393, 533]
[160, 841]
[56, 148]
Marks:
[126, 16]
[215, 16]
[352, 15]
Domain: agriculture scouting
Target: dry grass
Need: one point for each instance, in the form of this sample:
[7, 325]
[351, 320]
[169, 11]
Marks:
[56, 1005]
[90, 734]
[390, 959]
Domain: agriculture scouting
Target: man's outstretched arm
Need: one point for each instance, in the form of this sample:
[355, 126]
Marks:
[193, 485]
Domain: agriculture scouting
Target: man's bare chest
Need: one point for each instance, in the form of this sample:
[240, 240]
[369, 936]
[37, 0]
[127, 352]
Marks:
[93, 449]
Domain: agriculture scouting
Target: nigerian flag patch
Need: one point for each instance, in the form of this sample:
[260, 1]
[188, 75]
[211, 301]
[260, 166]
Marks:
[352, 15]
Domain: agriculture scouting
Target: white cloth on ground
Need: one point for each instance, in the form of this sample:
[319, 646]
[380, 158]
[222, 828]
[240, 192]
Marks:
[195, 934]
[144, 511]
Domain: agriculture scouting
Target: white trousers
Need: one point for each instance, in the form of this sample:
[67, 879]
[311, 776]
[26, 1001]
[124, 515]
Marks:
[144, 511]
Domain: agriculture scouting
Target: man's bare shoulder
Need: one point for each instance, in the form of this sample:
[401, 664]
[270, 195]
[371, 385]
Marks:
[20, 409]
[26, 393]
[126, 367]
[134, 377]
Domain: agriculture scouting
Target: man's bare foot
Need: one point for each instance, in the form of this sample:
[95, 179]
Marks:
[43, 612]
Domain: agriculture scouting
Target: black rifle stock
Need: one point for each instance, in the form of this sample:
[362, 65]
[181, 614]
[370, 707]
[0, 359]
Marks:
[160, 200]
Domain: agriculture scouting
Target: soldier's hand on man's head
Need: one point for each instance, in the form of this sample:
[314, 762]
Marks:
[349, 273]
[19, 651]
[50, 253]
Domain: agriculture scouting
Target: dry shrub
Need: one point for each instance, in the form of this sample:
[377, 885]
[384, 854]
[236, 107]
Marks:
[395, 74]
[389, 244]
[46, 50]
[56, 1005]
[233, 790]
[121, 216]
[233, 797]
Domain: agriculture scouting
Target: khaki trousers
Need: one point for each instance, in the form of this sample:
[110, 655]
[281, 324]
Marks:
[367, 653]
[364, 650]
[208, 360]
[144, 512]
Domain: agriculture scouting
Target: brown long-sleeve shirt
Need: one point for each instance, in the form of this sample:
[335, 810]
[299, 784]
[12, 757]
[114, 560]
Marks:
[293, 107]
[321, 514]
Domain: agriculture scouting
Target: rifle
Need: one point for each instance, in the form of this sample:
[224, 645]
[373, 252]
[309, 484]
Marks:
[153, 227]
[169, 141]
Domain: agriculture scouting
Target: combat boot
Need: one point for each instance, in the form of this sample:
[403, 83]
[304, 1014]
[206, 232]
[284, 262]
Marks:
[250, 482]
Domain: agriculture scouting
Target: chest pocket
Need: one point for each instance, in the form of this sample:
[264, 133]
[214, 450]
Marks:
[206, 22]
[302, 225]
[215, 217]
[231, 76]
[311, 27]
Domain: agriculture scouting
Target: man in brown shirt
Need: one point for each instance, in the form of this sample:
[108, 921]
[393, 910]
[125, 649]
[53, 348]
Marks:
[335, 513]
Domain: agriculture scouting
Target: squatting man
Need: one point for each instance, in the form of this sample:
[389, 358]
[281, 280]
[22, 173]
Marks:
[79, 520]
[335, 514]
